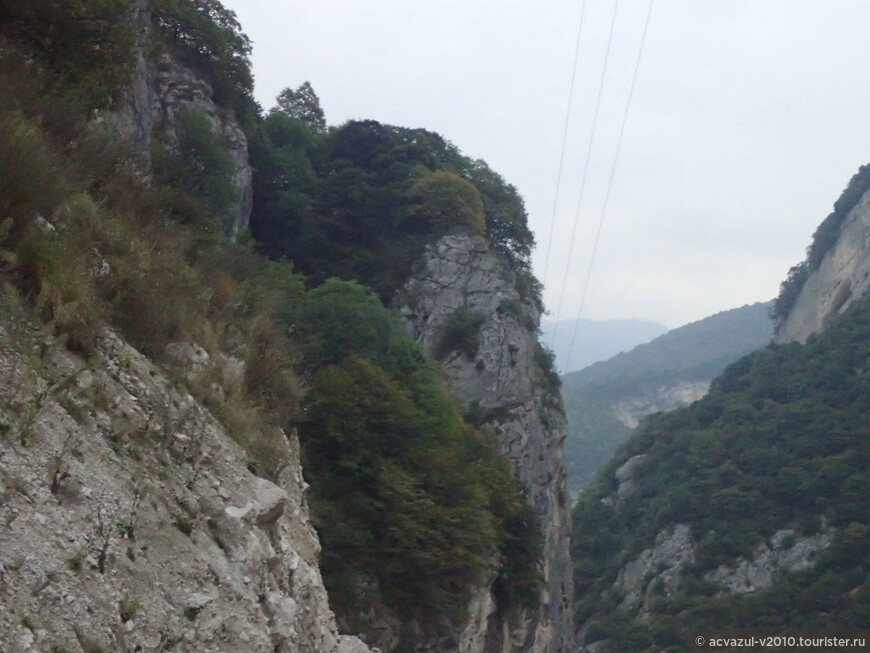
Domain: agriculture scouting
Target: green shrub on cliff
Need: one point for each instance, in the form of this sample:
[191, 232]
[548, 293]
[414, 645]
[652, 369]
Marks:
[86, 242]
[207, 36]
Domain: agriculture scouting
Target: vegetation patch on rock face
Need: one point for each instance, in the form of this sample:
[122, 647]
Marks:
[200, 172]
[461, 333]
[87, 44]
[86, 242]
[208, 37]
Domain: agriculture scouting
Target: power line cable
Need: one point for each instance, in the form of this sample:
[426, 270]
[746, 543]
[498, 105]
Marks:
[610, 180]
[585, 171]
[564, 141]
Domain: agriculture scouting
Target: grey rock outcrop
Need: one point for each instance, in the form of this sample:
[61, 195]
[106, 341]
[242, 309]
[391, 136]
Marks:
[131, 522]
[162, 90]
[842, 277]
[630, 410]
[503, 383]
[626, 474]
[784, 553]
[657, 568]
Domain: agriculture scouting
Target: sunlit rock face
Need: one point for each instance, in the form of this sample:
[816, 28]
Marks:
[842, 277]
[502, 383]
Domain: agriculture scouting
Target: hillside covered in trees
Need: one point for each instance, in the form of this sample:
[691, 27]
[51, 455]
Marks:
[748, 507]
[605, 401]
[414, 504]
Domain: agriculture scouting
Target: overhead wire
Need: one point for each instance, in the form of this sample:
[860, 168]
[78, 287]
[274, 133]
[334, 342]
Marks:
[564, 140]
[610, 180]
[585, 171]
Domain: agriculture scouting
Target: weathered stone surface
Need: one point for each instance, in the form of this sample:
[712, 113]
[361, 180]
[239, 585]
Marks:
[502, 383]
[627, 473]
[116, 530]
[784, 553]
[658, 566]
[843, 276]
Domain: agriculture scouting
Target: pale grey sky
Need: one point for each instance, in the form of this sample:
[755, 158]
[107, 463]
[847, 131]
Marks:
[748, 119]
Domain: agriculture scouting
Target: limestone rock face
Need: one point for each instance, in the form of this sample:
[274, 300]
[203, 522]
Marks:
[842, 277]
[657, 567]
[626, 473]
[782, 554]
[130, 521]
[502, 383]
[162, 90]
[630, 410]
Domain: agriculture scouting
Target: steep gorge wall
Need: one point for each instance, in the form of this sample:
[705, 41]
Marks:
[503, 383]
[842, 277]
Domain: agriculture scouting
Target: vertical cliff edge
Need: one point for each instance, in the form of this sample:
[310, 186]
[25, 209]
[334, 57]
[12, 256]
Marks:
[837, 270]
[504, 384]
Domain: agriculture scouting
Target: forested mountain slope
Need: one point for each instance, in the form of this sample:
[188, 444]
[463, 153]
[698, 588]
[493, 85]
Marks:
[595, 340]
[162, 384]
[749, 507]
[606, 400]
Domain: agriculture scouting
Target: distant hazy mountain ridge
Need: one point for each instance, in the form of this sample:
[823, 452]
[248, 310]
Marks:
[605, 400]
[596, 340]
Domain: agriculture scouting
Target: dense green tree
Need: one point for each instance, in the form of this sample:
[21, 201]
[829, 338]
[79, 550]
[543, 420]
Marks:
[302, 104]
[405, 492]
[362, 201]
[444, 200]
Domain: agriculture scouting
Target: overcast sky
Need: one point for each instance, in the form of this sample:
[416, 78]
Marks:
[748, 119]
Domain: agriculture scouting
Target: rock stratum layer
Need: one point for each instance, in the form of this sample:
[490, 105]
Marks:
[503, 383]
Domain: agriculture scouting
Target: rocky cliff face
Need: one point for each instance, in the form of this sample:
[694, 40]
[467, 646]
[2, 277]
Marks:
[162, 90]
[130, 519]
[630, 410]
[842, 277]
[503, 383]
